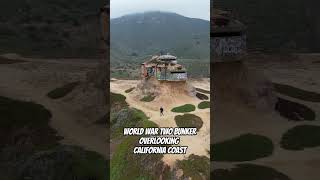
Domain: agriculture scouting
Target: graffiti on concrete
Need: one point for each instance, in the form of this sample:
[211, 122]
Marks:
[228, 46]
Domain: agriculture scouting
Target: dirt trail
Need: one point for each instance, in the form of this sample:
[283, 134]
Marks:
[15, 83]
[198, 144]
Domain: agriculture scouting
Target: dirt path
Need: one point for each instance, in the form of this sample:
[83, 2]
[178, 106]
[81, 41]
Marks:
[199, 144]
[15, 83]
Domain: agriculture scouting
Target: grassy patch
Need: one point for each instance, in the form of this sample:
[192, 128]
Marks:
[30, 119]
[202, 96]
[294, 111]
[62, 91]
[246, 147]
[89, 165]
[204, 105]
[127, 117]
[22, 121]
[117, 98]
[118, 101]
[129, 90]
[126, 165]
[195, 167]
[184, 108]
[203, 91]
[188, 120]
[148, 98]
[248, 172]
[300, 137]
[297, 93]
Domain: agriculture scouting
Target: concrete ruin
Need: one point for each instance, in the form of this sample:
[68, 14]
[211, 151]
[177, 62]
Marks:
[163, 68]
[228, 37]
[234, 81]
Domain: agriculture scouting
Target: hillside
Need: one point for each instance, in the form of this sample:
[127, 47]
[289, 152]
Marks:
[285, 25]
[50, 28]
[135, 37]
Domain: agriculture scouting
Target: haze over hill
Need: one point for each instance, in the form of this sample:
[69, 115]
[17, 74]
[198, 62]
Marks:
[137, 36]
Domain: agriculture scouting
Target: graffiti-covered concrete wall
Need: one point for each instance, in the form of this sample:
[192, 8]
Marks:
[228, 46]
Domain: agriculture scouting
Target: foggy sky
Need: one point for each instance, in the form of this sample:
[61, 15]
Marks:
[189, 8]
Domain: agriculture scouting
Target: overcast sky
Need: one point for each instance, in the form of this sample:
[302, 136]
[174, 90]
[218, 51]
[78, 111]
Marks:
[190, 8]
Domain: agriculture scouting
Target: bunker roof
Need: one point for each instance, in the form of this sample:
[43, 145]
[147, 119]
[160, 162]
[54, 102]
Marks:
[167, 57]
[223, 22]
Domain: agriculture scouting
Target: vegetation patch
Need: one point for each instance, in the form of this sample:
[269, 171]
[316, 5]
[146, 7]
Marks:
[28, 120]
[300, 137]
[202, 96]
[248, 172]
[297, 93]
[294, 111]
[127, 117]
[246, 147]
[204, 105]
[89, 165]
[188, 120]
[62, 91]
[127, 165]
[203, 91]
[184, 108]
[129, 90]
[118, 101]
[62, 34]
[195, 167]
[148, 98]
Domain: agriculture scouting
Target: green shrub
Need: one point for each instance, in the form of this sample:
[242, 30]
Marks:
[127, 117]
[118, 101]
[127, 165]
[294, 111]
[89, 165]
[148, 98]
[117, 98]
[188, 120]
[246, 147]
[202, 96]
[248, 172]
[195, 167]
[129, 90]
[300, 137]
[16, 115]
[62, 91]
[297, 93]
[204, 105]
[184, 108]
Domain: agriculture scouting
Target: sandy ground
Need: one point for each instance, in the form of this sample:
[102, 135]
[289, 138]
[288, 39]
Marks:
[199, 144]
[301, 72]
[33, 79]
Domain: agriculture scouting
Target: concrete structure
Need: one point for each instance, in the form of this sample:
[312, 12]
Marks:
[228, 37]
[163, 68]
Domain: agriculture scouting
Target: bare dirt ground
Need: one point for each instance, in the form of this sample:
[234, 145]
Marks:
[199, 144]
[300, 71]
[33, 79]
